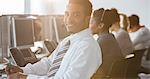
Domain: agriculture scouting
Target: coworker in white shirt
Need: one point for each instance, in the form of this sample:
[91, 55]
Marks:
[140, 35]
[121, 35]
[83, 57]
[124, 41]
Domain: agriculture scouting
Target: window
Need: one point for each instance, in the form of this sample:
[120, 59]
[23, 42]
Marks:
[11, 7]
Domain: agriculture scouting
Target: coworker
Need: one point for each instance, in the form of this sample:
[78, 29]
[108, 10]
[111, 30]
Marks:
[81, 57]
[121, 35]
[124, 21]
[100, 23]
[140, 35]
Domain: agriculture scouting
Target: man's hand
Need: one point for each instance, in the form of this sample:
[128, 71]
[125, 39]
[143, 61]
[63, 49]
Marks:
[12, 69]
[17, 75]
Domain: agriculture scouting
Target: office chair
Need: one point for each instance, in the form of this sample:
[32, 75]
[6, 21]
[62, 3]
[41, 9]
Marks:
[134, 64]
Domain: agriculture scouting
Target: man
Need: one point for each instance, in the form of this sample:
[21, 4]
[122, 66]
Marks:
[140, 35]
[82, 58]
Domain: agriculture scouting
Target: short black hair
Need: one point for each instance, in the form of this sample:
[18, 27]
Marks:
[87, 5]
[134, 20]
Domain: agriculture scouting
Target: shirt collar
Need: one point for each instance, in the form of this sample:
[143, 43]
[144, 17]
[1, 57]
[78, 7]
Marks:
[80, 35]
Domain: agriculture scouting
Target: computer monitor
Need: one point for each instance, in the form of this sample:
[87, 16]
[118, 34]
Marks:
[60, 29]
[23, 32]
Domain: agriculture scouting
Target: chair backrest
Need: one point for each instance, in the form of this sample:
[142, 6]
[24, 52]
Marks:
[148, 54]
[134, 64]
[111, 53]
[125, 68]
[118, 69]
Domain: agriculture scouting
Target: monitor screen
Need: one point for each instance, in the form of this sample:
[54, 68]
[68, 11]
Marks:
[60, 29]
[24, 31]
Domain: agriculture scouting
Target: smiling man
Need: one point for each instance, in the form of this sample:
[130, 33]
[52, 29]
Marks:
[78, 56]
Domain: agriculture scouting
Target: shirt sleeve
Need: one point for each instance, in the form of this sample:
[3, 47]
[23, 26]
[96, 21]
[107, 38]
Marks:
[83, 65]
[143, 36]
[39, 68]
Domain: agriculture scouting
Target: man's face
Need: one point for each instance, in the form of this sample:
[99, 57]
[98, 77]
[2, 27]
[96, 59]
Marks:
[75, 18]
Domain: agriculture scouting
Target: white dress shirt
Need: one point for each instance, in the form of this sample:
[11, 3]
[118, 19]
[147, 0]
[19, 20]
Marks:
[80, 61]
[140, 38]
[124, 41]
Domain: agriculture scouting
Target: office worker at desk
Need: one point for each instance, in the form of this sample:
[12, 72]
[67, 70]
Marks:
[140, 35]
[81, 54]
[121, 35]
[100, 23]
